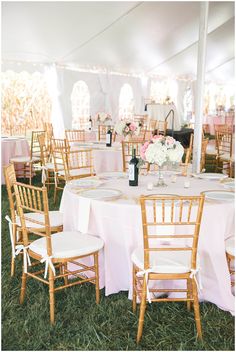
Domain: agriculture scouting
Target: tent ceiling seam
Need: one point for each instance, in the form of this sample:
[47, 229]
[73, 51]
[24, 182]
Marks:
[102, 31]
[186, 48]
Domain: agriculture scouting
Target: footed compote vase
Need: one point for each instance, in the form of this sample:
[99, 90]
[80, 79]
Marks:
[160, 178]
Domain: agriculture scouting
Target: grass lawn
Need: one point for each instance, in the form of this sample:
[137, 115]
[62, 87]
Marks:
[111, 325]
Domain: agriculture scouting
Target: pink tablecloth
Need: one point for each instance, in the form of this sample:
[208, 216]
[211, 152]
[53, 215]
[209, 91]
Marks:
[218, 120]
[13, 147]
[119, 224]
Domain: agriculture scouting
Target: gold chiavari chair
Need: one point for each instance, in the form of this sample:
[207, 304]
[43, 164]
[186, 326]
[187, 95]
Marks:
[55, 250]
[141, 137]
[166, 255]
[142, 119]
[77, 164]
[75, 136]
[56, 218]
[26, 163]
[224, 147]
[188, 156]
[59, 146]
[203, 153]
[48, 127]
[161, 127]
[127, 148]
[102, 131]
[223, 128]
[47, 166]
[230, 256]
[152, 125]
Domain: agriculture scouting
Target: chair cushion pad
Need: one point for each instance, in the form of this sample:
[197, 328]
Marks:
[24, 159]
[56, 219]
[68, 244]
[165, 262]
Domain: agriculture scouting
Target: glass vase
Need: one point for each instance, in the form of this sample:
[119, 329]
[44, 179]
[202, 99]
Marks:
[160, 178]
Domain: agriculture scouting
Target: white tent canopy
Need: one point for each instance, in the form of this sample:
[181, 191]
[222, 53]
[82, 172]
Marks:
[151, 38]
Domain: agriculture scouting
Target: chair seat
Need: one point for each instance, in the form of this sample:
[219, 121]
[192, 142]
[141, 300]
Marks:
[226, 156]
[68, 244]
[230, 246]
[24, 159]
[56, 219]
[76, 172]
[165, 262]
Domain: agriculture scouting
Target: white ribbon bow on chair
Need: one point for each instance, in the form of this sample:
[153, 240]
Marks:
[145, 274]
[44, 175]
[48, 262]
[193, 275]
[26, 257]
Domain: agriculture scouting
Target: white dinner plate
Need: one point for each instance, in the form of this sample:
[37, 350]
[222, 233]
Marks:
[86, 183]
[102, 193]
[210, 176]
[113, 175]
[230, 185]
[220, 196]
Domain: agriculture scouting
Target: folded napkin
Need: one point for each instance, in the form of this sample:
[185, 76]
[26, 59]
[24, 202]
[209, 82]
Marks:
[84, 214]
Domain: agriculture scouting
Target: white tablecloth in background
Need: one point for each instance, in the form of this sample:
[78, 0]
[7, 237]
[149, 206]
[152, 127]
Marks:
[13, 147]
[119, 224]
[160, 111]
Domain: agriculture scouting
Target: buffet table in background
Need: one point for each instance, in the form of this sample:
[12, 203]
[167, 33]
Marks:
[160, 111]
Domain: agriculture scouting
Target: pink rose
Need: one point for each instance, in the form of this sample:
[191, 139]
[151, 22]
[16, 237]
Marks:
[158, 137]
[143, 150]
[132, 127]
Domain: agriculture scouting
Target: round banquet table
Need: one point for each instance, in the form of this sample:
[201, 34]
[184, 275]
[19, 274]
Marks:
[104, 158]
[13, 146]
[119, 224]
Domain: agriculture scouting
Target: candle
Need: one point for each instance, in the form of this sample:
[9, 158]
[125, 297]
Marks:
[149, 186]
[173, 178]
[186, 184]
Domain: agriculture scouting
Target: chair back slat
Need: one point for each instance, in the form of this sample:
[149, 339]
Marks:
[73, 136]
[33, 199]
[77, 163]
[102, 131]
[173, 218]
[224, 143]
[10, 178]
[35, 147]
[127, 148]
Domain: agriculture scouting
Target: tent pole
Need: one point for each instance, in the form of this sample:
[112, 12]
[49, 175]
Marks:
[201, 67]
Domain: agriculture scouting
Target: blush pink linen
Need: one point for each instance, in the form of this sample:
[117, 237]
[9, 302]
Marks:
[119, 224]
[13, 147]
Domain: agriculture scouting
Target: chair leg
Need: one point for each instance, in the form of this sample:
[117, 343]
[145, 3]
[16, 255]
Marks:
[196, 310]
[51, 297]
[23, 286]
[12, 266]
[96, 277]
[66, 277]
[134, 290]
[142, 311]
[55, 194]
[189, 293]
[30, 175]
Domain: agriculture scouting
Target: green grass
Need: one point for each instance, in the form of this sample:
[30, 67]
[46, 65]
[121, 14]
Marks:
[111, 325]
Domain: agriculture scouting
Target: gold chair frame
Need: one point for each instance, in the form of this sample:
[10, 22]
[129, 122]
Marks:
[75, 136]
[34, 199]
[183, 217]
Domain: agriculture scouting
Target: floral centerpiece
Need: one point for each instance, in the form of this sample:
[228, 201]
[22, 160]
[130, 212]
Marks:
[102, 117]
[128, 128]
[159, 151]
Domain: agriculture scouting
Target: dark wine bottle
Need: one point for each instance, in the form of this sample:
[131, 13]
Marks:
[133, 169]
[109, 137]
[90, 122]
